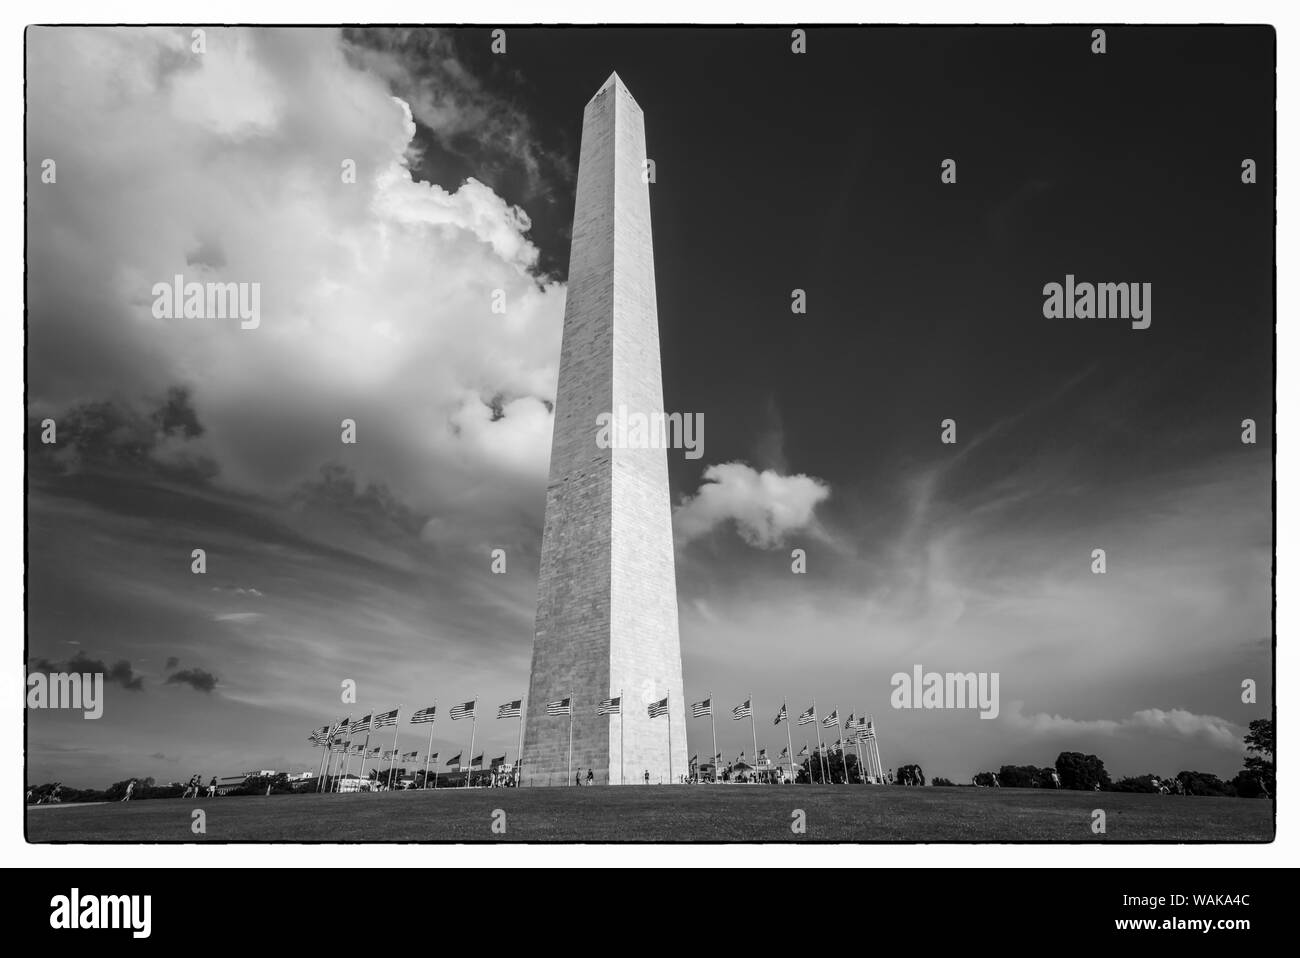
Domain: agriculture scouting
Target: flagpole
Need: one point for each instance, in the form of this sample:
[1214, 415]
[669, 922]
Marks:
[473, 727]
[789, 740]
[880, 766]
[839, 727]
[622, 765]
[713, 720]
[429, 749]
[569, 774]
[669, 715]
[753, 729]
[857, 740]
[366, 748]
[329, 759]
[347, 754]
[320, 766]
[329, 767]
[817, 724]
[519, 759]
[392, 761]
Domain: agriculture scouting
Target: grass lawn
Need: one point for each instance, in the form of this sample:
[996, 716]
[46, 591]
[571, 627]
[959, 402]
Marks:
[681, 813]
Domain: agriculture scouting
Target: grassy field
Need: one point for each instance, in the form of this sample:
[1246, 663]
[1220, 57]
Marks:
[668, 814]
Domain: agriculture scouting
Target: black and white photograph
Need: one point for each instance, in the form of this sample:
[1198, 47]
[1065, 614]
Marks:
[650, 434]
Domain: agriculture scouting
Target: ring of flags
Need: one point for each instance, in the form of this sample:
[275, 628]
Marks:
[856, 731]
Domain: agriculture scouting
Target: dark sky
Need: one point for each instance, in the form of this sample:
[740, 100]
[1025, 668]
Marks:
[821, 172]
[775, 171]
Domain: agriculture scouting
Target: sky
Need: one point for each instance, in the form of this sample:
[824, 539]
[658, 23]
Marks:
[370, 563]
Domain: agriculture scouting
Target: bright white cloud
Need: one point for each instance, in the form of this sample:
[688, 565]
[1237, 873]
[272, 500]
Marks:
[376, 295]
[765, 506]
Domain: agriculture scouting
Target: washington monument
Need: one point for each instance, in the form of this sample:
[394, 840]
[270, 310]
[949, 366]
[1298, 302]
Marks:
[607, 592]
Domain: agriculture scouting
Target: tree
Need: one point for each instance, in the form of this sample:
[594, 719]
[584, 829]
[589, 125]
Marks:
[909, 774]
[1024, 776]
[1204, 783]
[1261, 737]
[843, 764]
[1259, 778]
[1081, 772]
[1138, 783]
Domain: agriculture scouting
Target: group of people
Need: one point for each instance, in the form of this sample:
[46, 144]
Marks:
[194, 787]
[51, 796]
[591, 777]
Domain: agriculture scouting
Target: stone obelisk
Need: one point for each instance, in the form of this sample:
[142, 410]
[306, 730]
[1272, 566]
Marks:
[607, 591]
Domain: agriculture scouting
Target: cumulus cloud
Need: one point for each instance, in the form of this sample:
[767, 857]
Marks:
[376, 296]
[426, 68]
[199, 679]
[765, 506]
[1174, 723]
[119, 672]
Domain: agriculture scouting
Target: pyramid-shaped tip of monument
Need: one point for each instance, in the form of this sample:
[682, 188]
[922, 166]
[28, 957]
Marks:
[614, 81]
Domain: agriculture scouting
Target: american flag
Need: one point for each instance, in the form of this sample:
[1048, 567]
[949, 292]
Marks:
[803, 751]
[511, 709]
[498, 762]
[612, 706]
[807, 716]
[391, 753]
[427, 714]
[455, 759]
[718, 757]
[411, 756]
[658, 708]
[870, 730]
[358, 749]
[762, 753]
[784, 752]
[386, 719]
[477, 760]
[433, 757]
[361, 725]
[559, 707]
[742, 711]
[319, 736]
[338, 745]
[375, 750]
[464, 710]
[340, 725]
[701, 709]
[831, 720]
[781, 716]
[848, 722]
